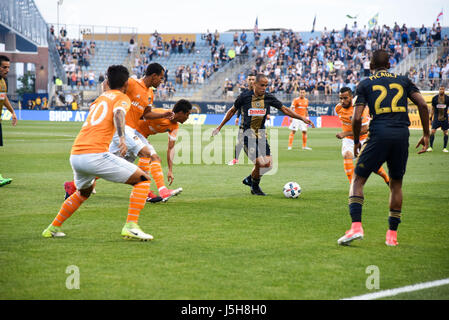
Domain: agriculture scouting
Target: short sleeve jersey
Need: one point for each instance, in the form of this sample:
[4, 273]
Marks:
[98, 129]
[154, 126]
[141, 97]
[345, 115]
[386, 95]
[301, 105]
[254, 109]
[3, 92]
[440, 108]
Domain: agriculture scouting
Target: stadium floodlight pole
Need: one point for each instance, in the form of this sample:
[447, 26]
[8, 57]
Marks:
[59, 3]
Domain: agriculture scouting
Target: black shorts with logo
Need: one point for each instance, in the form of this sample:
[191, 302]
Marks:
[256, 147]
[376, 151]
[444, 125]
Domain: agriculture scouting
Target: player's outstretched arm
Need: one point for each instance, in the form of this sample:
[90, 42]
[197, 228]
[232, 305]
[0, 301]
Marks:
[148, 114]
[226, 118]
[418, 99]
[345, 134]
[292, 114]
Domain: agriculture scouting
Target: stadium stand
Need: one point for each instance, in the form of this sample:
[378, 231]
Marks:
[324, 64]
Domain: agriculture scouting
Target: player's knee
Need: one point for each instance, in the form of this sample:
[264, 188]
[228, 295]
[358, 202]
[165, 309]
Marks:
[86, 192]
[144, 178]
[144, 153]
[155, 157]
[348, 155]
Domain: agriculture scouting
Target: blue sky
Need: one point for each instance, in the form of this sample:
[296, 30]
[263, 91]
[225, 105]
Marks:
[196, 16]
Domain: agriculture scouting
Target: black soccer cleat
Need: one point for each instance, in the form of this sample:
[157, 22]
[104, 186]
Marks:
[255, 189]
[247, 181]
[154, 200]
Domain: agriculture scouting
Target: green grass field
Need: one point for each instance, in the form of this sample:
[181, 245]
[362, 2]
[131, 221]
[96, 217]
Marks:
[215, 240]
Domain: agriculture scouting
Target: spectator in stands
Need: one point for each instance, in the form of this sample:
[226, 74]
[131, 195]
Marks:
[216, 37]
[63, 32]
[236, 38]
[423, 33]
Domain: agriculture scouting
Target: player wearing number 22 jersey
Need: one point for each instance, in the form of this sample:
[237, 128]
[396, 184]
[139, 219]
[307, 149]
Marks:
[386, 96]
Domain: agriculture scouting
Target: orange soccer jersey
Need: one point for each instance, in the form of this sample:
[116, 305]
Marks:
[141, 97]
[98, 129]
[301, 106]
[154, 126]
[345, 115]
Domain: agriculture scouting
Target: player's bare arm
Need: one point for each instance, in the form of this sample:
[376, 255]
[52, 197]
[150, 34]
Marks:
[293, 114]
[170, 156]
[119, 122]
[418, 99]
[345, 134]
[148, 114]
[357, 126]
[231, 112]
[11, 109]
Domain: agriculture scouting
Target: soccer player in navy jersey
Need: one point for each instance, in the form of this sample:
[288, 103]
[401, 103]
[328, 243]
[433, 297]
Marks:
[386, 95]
[255, 107]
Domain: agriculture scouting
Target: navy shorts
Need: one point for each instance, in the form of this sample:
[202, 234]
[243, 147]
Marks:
[256, 147]
[376, 151]
[444, 125]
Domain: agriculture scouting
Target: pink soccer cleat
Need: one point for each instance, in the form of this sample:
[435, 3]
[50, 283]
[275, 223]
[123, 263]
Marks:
[355, 233]
[391, 239]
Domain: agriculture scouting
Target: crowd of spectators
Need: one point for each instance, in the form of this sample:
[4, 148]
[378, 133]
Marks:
[322, 65]
[435, 73]
[185, 76]
[75, 57]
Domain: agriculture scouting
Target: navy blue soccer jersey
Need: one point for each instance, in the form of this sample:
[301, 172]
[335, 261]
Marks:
[440, 108]
[254, 109]
[386, 95]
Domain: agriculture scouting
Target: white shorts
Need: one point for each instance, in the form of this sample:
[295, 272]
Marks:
[86, 167]
[298, 124]
[347, 145]
[134, 141]
[131, 157]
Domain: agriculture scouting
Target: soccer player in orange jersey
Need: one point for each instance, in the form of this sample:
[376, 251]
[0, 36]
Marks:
[140, 92]
[90, 157]
[145, 128]
[345, 110]
[299, 105]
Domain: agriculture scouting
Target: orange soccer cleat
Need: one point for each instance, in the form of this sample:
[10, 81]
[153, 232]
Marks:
[355, 233]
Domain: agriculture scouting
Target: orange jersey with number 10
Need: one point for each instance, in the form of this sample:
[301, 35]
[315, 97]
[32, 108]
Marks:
[141, 97]
[345, 115]
[301, 105]
[98, 129]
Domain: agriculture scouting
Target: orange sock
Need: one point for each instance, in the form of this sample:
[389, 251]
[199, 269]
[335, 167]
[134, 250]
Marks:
[383, 174]
[290, 139]
[157, 174]
[304, 139]
[144, 164]
[349, 168]
[137, 200]
[70, 205]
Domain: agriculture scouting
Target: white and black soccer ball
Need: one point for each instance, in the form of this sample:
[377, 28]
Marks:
[292, 190]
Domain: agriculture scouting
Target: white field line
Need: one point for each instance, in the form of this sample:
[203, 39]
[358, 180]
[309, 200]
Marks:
[393, 292]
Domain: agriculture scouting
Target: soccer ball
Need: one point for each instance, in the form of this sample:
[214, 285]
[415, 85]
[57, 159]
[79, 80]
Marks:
[292, 190]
